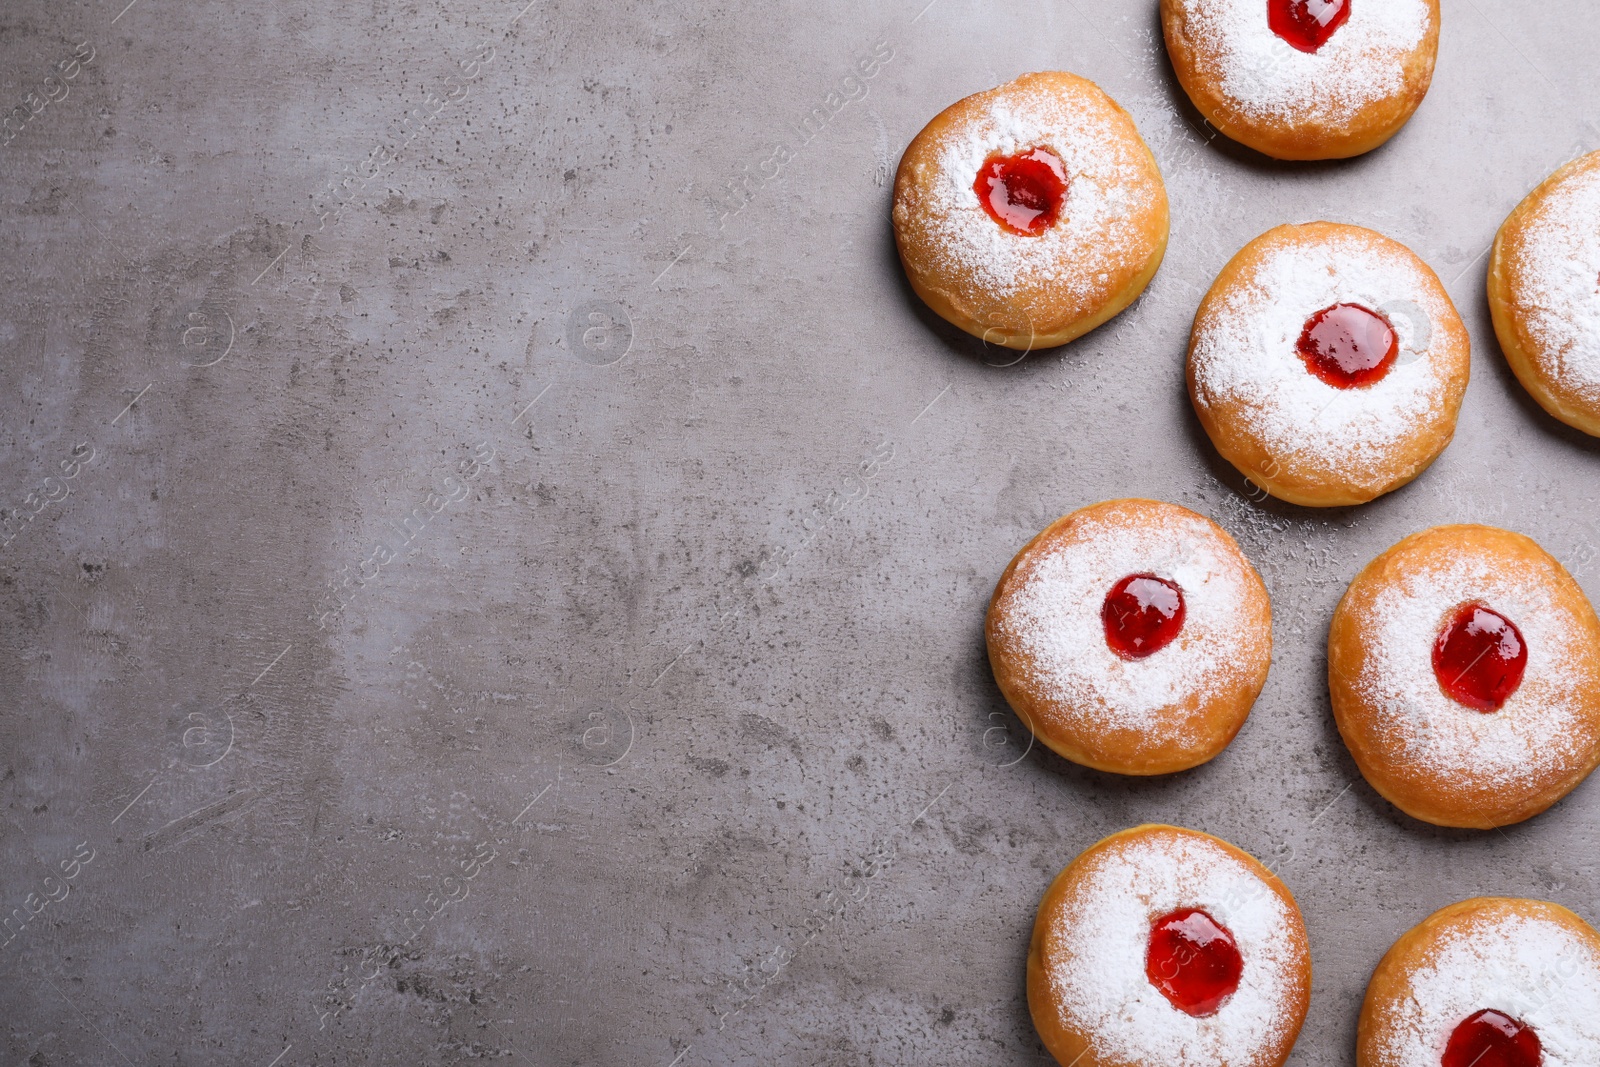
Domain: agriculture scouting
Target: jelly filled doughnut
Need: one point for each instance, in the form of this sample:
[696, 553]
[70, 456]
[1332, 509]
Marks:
[1491, 982]
[1328, 364]
[1161, 946]
[1132, 636]
[1464, 666]
[1304, 79]
[1032, 213]
[1544, 293]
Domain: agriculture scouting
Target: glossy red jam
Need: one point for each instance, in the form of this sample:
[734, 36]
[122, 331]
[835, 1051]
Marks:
[1143, 614]
[1491, 1039]
[1348, 346]
[1193, 961]
[1023, 193]
[1479, 658]
[1307, 24]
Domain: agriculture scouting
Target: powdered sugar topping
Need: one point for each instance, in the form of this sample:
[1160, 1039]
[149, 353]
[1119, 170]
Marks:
[1245, 355]
[1054, 616]
[1530, 968]
[1109, 176]
[1263, 76]
[1096, 957]
[1541, 731]
[1558, 264]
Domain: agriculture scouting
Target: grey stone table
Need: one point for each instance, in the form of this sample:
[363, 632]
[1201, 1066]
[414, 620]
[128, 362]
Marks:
[507, 551]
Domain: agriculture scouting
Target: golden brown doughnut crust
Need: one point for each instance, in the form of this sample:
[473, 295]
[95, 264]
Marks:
[1044, 311]
[1072, 1047]
[1211, 719]
[1303, 476]
[1390, 987]
[1305, 138]
[1432, 793]
[1535, 367]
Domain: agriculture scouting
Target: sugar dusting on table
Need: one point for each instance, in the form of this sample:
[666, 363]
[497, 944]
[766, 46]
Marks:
[1262, 75]
[1096, 963]
[1557, 262]
[1531, 968]
[1055, 618]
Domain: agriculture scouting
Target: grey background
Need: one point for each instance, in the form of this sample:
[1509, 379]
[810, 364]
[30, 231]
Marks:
[741, 787]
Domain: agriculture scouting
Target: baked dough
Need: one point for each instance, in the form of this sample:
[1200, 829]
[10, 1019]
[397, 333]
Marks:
[1430, 755]
[1348, 97]
[1288, 431]
[1544, 293]
[1020, 291]
[1169, 711]
[1089, 992]
[1535, 962]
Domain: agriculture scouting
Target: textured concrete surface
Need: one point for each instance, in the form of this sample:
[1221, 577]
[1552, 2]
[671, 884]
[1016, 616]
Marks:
[358, 711]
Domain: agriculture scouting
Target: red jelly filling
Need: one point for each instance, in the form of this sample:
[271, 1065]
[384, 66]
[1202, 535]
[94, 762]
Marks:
[1491, 1039]
[1023, 193]
[1193, 961]
[1307, 24]
[1143, 614]
[1479, 658]
[1348, 346]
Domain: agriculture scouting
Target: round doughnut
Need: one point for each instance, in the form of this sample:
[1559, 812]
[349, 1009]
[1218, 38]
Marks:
[1544, 293]
[1328, 364]
[1495, 981]
[1131, 636]
[1161, 946]
[1304, 79]
[1070, 229]
[1464, 666]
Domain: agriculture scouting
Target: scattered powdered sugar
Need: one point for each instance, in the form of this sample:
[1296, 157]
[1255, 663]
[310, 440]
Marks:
[1558, 264]
[1096, 957]
[1530, 968]
[1054, 616]
[1540, 732]
[1246, 354]
[1109, 182]
[1263, 76]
